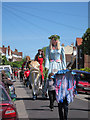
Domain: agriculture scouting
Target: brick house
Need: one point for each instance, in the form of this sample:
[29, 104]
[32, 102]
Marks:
[82, 60]
[11, 55]
[70, 54]
[3, 50]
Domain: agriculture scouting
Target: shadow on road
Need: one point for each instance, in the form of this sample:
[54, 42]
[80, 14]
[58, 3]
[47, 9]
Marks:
[79, 109]
[47, 106]
[38, 109]
[39, 98]
[88, 98]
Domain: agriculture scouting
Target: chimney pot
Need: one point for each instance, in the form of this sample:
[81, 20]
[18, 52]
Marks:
[63, 44]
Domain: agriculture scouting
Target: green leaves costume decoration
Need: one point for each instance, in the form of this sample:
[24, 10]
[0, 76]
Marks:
[56, 37]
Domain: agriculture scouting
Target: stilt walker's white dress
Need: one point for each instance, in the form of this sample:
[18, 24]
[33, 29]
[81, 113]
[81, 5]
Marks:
[53, 62]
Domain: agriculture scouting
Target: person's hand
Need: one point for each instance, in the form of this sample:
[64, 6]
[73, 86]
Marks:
[8, 78]
[64, 68]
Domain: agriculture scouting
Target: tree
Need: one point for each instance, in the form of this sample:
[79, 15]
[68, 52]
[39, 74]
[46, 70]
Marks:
[86, 42]
[4, 60]
[13, 64]
[0, 59]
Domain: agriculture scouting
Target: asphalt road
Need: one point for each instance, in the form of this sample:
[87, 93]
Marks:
[39, 109]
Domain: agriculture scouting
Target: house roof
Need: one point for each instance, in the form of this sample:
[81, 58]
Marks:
[17, 53]
[79, 41]
[3, 50]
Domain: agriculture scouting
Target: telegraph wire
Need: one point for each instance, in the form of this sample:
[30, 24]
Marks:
[45, 19]
[25, 20]
[70, 14]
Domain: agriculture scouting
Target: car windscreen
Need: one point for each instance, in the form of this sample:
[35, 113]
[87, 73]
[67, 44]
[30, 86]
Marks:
[8, 74]
[84, 77]
[1, 68]
[3, 95]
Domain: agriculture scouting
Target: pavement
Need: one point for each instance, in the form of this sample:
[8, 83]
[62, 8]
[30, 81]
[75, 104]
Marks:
[21, 93]
[28, 109]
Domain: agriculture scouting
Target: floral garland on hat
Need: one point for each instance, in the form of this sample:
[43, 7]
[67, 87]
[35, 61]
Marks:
[56, 37]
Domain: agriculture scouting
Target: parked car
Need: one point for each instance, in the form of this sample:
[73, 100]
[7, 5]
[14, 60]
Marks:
[82, 81]
[6, 67]
[7, 107]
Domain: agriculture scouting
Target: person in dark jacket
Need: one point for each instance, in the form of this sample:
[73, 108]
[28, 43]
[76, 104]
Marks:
[7, 82]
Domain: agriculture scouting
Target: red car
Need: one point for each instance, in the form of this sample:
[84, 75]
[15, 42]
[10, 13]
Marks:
[7, 107]
[82, 81]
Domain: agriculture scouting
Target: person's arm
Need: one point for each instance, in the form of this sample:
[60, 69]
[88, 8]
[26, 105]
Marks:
[25, 74]
[9, 82]
[63, 58]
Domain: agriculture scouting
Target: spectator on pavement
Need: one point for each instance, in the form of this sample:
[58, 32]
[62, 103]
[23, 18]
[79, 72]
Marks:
[7, 82]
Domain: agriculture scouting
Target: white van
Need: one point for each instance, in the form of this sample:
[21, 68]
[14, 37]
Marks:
[2, 67]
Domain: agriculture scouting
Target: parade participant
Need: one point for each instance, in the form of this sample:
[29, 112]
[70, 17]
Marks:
[26, 63]
[26, 74]
[53, 62]
[65, 87]
[54, 52]
[40, 57]
[50, 85]
[21, 75]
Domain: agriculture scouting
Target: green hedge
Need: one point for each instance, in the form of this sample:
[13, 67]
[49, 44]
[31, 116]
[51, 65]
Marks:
[85, 69]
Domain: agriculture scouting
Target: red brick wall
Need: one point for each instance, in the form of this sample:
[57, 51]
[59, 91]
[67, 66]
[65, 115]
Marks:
[87, 61]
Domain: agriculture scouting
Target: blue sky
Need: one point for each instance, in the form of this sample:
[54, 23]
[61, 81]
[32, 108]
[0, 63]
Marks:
[26, 26]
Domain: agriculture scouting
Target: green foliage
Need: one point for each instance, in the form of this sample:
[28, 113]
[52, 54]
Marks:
[4, 60]
[85, 69]
[86, 42]
[0, 58]
[54, 36]
[17, 64]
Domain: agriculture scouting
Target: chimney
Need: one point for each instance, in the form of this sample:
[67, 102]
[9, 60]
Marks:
[62, 44]
[3, 46]
[72, 44]
[15, 50]
[8, 47]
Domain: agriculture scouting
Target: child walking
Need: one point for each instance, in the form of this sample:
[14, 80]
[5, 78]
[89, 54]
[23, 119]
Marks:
[51, 90]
